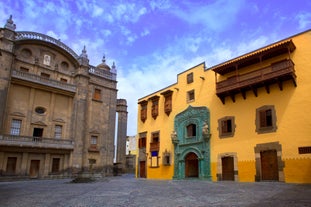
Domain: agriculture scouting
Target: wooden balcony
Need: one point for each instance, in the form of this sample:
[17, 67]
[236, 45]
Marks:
[263, 77]
[154, 146]
[36, 142]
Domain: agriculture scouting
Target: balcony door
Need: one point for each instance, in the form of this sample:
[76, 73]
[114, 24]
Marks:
[37, 132]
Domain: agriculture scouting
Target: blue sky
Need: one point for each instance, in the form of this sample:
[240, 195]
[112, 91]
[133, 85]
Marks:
[152, 41]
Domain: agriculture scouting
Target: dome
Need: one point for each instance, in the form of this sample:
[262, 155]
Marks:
[103, 65]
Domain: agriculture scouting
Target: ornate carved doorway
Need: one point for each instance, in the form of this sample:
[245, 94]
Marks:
[191, 165]
[192, 144]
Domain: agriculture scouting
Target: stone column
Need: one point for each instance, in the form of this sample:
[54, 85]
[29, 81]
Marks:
[121, 133]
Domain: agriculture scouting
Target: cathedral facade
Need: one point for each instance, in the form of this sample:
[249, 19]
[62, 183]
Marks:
[57, 112]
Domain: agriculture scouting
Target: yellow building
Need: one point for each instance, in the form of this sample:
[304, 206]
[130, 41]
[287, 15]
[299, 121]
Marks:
[246, 119]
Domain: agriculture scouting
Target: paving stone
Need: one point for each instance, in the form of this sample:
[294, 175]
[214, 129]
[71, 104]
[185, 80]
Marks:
[130, 192]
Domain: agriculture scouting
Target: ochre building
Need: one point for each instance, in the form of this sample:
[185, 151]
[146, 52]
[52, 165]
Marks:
[247, 119]
[57, 112]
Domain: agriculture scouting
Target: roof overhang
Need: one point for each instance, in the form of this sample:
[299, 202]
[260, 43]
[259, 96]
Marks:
[279, 48]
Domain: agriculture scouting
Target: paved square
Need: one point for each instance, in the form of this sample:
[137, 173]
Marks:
[128, 191]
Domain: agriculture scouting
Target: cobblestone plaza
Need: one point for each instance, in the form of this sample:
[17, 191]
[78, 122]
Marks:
[128, 191]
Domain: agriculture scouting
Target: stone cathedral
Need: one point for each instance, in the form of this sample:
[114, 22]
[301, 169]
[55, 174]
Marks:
[57, 112]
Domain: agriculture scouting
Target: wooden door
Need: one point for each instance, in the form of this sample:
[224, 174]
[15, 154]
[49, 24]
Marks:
[227, 168]
[11, 166]
[142, 169]
[269, 165]
[191, 165]
[34, 168]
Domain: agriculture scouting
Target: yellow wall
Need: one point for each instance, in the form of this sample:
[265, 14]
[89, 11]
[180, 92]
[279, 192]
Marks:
[292, 106]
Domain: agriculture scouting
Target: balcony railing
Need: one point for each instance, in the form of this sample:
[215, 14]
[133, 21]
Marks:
[278, 71]
[40, 142]
[43, 81]
[154, 146]
[24, 35]
[111, 75]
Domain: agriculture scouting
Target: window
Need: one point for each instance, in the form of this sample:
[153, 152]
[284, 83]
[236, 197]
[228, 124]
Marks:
[191, 130]
[25, 70]
[45, 75]
[266, 119]
[190, 78]
[155, 106]
[63, 80]
[143, 111]
[93, 140]
[58, 131]
[226, 126]
[55, 165]
[97, 94]
[166, 158]
[16, 127]
[142, 142]
[304, 150]
[40, 110]
[190, 96]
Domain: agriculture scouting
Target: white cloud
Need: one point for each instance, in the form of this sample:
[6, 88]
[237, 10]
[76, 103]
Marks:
[97, 11]
[145, 32]
[209, 15]
[245, 47]
[304, 20]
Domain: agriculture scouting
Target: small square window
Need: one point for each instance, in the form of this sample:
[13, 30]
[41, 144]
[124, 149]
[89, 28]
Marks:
[25, 70]
[190, 78]
[190, 96]
[266, 119]
[226, 126]
[97, 94]
[93, 140]
[45, 75]
[63, 80]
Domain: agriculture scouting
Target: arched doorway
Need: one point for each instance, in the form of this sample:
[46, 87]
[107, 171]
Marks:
[191, 165]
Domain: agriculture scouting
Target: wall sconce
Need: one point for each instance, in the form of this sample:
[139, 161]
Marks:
[177, 89]
[202, 77]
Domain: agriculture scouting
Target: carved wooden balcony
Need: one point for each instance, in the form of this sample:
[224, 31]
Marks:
[154, 146]
[36, 142]
[263, 77]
